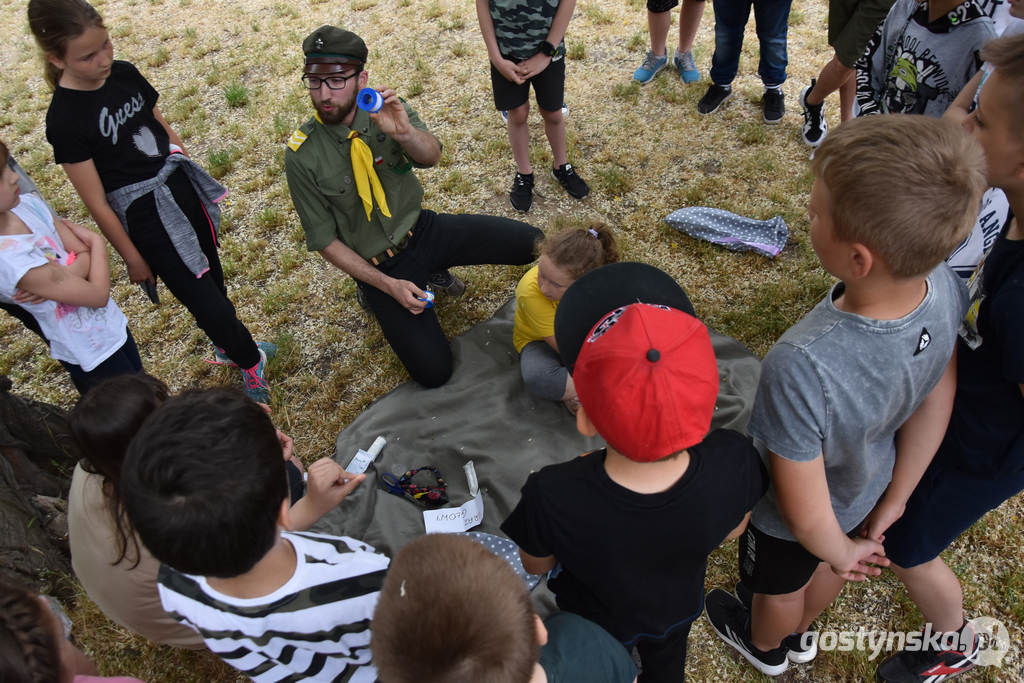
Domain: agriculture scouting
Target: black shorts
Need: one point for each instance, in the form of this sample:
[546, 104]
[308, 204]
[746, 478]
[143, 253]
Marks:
[659, 6]
[548, 87]
[775, 566]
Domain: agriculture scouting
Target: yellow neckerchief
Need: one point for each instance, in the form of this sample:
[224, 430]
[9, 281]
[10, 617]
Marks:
[365, 174]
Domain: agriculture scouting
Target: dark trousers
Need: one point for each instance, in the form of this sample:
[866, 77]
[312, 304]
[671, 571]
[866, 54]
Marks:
[205, 297]
[440, 241]
[771, 17]
[664, 660]
[124, 361]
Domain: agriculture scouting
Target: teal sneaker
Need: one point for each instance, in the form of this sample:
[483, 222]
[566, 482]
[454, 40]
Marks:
[650, 68]
[256, 386]
[221, 358]
[686, 66]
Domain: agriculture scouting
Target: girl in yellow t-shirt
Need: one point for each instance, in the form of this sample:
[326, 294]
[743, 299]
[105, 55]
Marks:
[563, 258]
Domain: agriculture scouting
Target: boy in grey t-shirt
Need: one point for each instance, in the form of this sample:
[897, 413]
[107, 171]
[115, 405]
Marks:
[852, 397]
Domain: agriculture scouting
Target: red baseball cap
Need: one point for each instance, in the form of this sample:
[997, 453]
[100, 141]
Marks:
[647, 378]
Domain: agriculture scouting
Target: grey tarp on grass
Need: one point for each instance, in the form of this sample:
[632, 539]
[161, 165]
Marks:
[484, 414]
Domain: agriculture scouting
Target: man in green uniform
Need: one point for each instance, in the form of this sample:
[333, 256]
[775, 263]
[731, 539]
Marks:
[351, 181]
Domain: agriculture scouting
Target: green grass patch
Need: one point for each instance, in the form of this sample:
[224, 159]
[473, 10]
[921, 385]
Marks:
[576, 50]
[630, 92]
[219, 162]
[236, 94]
[597, 14]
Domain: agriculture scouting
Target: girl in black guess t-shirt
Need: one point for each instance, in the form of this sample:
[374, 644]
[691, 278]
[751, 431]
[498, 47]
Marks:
[108, 134]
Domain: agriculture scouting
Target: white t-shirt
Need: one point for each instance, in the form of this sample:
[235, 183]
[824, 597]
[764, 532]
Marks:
[79, 335]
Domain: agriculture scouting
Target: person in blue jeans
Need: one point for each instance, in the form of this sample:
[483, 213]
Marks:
[772, 20]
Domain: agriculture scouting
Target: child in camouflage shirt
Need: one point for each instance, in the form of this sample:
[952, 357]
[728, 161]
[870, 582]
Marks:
[525, 44]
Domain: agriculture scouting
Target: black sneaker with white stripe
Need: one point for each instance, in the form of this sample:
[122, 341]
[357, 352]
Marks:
[801, 647]
[731, 621]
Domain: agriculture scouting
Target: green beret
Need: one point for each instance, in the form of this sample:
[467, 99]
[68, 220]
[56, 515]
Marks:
[333, 44]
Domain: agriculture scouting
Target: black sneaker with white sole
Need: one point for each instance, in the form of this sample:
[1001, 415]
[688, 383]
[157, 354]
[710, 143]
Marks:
[801, 649]
[815, 126]
[731, 621]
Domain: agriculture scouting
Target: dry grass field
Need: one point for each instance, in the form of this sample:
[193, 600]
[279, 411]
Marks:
[228, 73]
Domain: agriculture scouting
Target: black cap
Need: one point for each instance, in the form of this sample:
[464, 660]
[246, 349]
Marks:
[601, 291]
[333, 44]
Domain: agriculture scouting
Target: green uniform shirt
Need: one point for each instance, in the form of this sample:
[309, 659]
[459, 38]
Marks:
[318, 165]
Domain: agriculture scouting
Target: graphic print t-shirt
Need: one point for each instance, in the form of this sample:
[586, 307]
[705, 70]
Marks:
[112, 125]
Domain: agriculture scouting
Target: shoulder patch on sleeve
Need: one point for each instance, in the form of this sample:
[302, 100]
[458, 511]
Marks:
[296, 140]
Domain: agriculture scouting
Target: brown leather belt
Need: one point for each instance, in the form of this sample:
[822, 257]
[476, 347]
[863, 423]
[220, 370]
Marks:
[391, 252]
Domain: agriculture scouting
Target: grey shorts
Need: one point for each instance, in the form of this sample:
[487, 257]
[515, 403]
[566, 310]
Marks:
[851, 23]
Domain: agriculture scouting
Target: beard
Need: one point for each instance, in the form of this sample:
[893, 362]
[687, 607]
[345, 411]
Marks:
[338, 113]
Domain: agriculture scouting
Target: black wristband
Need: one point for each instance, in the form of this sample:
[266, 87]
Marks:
[548, 49]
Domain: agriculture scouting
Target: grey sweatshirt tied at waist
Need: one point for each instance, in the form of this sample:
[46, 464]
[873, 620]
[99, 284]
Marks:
[174, 220]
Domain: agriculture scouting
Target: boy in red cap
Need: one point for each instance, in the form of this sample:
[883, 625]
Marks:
[630, 526]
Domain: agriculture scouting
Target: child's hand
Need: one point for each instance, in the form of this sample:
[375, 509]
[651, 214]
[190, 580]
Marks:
[287, 445]
[533, 66]
[23, 297]
[329, 484]
[509, 70]
[138, 271]
[881, 518]
[864, 557]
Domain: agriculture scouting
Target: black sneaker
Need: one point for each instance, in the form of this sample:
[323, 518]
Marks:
[573, 184]
[815, 125]
[773, 105]
[732, 623]
[446, 283]
[714, 98]
[794, 643]
[927, 665]
[521, 195]
[801, 647]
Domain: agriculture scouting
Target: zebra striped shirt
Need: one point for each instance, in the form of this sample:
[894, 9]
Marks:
[314, 627]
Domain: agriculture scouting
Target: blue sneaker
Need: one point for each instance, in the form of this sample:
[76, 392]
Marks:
[256, 386]
[650, 68]
[686, 66]
[221, 358]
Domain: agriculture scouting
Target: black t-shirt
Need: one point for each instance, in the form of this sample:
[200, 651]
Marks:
[112, 125]
[986, 431]
[634, 563]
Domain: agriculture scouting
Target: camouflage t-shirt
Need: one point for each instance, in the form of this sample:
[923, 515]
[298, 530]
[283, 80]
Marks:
[522, 25]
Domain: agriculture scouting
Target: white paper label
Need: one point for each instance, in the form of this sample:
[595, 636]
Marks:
[454, 520]
[359, 462]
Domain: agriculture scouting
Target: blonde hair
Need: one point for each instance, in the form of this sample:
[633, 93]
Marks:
[1006, 55]
[450, 611]
[581, 250]
[907, 187]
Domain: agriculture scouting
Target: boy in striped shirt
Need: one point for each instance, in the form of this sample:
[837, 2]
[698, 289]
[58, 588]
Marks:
[204, 484]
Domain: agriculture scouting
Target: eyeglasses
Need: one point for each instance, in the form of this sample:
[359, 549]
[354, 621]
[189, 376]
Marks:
[332, 82]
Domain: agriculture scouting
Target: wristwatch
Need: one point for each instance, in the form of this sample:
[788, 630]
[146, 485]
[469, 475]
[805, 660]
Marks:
[548, 49]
